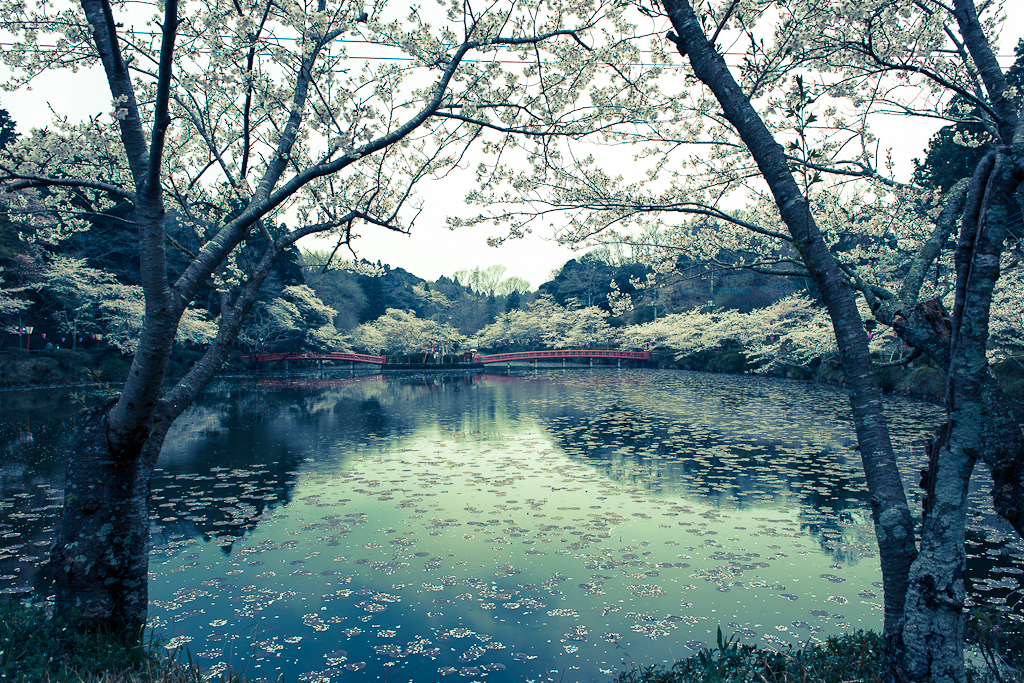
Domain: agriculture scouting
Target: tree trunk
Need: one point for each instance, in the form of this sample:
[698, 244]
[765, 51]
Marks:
[927, 327]
[936, 619]
[894, 526]
[101, 557]
[933, 634]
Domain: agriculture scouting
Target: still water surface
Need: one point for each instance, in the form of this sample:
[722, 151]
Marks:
[514, 527]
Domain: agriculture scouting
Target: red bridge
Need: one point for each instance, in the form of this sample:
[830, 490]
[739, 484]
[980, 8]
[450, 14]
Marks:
[561, 354]
[350, 357]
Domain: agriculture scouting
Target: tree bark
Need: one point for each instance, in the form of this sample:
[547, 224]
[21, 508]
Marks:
[926, 326]
[936, 618]
[935, 626]
[101, 557]
[102, 550]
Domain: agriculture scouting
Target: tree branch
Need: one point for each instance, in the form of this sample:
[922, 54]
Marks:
[153, 188]
[100, 17]
[26, 182]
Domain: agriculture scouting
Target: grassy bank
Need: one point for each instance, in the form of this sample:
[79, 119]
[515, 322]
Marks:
[920, 379]
[33, 650]
[853, 657]
[995, 655]
[22, 368]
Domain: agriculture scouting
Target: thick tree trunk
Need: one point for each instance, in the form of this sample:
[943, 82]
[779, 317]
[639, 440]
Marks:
[936, 618]
[926, 326]
[101, 557]
[935, 626]
[924, 635]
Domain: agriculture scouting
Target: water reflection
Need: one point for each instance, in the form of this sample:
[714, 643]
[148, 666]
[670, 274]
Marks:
[688, 460]
[35, 428]
[502, 526]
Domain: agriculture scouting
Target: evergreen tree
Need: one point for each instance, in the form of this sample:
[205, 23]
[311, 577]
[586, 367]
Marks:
[513, 301]
[8, 231]
[376, 302]
[947, 160]
[7, 134]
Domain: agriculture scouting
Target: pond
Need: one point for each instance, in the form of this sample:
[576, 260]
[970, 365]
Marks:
[531, 525]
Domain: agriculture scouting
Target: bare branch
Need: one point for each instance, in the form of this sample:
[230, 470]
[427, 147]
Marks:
[26, 182]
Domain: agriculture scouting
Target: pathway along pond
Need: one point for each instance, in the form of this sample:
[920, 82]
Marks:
[532, 526]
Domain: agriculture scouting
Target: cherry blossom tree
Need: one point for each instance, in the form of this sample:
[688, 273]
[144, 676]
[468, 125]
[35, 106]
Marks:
[10, 303]
[547, 323]
[432, 299]
[250, 122]
[93, 301]
[793, 332]
[775, 154]
[369, 339]
[1006, 328]
[925, 615]
[79, 289]
[400, 331]
[122, 313]
[297, 317]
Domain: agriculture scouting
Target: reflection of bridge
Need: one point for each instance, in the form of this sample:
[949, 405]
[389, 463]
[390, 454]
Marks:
[348, 357]
[557, 354]
[278, 383]
[562, 355]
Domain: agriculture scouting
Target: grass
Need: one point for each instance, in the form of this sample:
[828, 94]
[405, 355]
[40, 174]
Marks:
[852, 657]
[999, 645]
[33, 649]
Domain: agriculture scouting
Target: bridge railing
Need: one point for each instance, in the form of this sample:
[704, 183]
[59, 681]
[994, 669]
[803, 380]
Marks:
[559, 354]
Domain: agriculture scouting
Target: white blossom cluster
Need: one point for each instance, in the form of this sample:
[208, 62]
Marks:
[297, 314]
[548, 324]
[400, 331]
[790, 332]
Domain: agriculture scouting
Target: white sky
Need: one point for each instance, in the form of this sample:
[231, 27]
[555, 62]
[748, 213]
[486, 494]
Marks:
[432, 250]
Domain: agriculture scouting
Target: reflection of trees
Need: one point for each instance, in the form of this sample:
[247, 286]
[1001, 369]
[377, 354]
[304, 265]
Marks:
[733, 441]
[237, 454]
[35, 437]
[626, 445]
[664, 456]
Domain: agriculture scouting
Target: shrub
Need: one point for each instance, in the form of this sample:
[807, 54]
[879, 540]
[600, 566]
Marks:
[733, 362]
[113, 369]
[851, 657]
[829, 371]
[1010, 373]
[70, 361]
[924, 381]
[33, 649]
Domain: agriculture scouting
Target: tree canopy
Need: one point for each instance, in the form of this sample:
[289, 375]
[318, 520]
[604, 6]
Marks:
[250, 125]
[772, 164]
